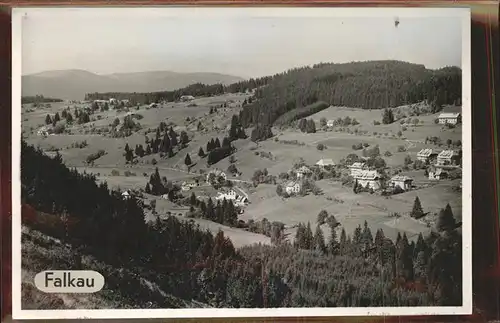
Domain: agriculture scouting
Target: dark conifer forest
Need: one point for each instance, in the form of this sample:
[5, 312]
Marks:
[360, 268]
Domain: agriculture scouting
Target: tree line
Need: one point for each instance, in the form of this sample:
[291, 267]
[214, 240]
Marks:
[37, 99]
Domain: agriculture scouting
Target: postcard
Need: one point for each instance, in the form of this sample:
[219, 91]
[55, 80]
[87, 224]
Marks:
[241, 162]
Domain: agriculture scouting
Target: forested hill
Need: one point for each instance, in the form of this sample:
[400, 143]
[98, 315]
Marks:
[367, 85]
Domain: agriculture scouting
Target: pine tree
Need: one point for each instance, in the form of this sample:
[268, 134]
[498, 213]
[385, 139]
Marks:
[201, 153]
[187, 160]
[417, 211]
[319, 239]
[343, 242]
[333, 244]
[129, 154]
[48, 119]
[217, 143]
[148, 188]
[367, 236]
[192, 200]
[446, 221]
[173, 137]
[57, 118]
[184, 138]
[69, 118]
[309, 237]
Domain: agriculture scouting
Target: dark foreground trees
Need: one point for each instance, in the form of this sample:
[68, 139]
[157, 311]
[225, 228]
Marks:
[181, 258]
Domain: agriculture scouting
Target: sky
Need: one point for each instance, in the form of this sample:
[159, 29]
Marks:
[238, 41]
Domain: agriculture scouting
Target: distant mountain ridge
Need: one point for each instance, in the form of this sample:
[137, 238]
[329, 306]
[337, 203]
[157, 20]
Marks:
[74, 84]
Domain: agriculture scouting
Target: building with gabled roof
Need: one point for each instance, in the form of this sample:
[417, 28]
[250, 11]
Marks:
[403, 182]
[437, 173]
[303, 171]
[426, 154]
[368, 179]
[448, 157]
[357, 167]
[450, 117]
[293, 187]
[325, 162]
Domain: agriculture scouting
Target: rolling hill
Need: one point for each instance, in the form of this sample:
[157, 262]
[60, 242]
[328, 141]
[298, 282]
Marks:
[74, 84]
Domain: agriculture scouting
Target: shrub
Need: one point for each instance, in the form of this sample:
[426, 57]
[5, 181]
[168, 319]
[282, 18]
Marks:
[154, 162]
[114, 172]
[376, 123]
[387, 154]
[320, 147]
[401, 149]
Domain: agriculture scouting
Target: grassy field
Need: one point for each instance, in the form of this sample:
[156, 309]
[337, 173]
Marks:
[277, 155]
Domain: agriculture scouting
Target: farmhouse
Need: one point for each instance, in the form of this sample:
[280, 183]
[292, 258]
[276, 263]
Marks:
[357, 167]
[368, 179]
[426, 155]
[330, 123]
[325, 162]
[229, 195]
[403, 182]
[448, 157]
[126, 195]
[293, 188]
[113, 101]
[449, 117]
[437, 173]
[303, 171]
[185, 98]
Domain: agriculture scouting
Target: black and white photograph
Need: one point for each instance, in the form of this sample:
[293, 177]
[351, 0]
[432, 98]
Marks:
[241, 162]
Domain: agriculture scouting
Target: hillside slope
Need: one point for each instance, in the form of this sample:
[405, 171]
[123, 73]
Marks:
[74, 84]
[123, 289]
[367, 85]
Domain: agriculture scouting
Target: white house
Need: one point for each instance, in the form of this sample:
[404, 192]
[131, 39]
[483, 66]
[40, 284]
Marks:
[357, 168]
[303, 171]
[126, 195]
[449, 117]
[113, 101]
[229, 195]
[330, 123]
[426, 154]
[404, 182]
[325, 162]
[187, 98]
[153, 105]
[368, 179]
[447, 157]
[293, 188]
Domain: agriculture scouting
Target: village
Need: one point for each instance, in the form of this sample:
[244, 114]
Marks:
[263, 179]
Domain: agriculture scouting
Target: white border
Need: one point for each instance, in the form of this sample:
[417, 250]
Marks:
[466, 307]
